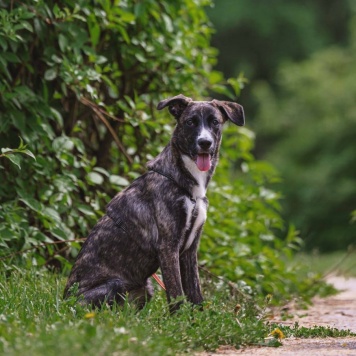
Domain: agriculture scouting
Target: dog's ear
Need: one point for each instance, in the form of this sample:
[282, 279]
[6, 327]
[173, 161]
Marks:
[176, 105]
[232, 111]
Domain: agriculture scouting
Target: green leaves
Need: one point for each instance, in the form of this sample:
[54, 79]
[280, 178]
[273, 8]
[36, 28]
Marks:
[80, 84]
[11, 154]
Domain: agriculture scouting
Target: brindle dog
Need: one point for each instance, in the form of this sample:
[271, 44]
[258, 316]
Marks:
[156, 222]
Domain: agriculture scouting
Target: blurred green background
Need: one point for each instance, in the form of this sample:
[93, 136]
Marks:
[300, 59]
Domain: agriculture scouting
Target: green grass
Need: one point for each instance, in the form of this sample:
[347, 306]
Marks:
[315, 331]
[35, 320]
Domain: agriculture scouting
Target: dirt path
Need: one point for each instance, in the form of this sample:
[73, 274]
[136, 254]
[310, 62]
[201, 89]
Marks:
[338, 311]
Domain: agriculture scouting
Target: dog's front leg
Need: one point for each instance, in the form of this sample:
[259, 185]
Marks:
[169, 263]
[190, 274]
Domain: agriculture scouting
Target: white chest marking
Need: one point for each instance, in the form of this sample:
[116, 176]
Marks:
[199, 211]
[199, 207]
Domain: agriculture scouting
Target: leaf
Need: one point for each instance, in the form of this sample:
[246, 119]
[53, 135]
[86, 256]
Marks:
[57, 116]
[19, 120]
[63, 42]
[102, 171]
[50, 74]
[125, 35]
[14, 159]
[29, 153]
[21, 145]
[59, 234]
[168, 23]
[95, 178]
[26, 25]
[86, 210]
[32, 204]
[11, 57]
[52, 214]
[222, 89]
[6, 149]
[94, 31]
[118, 180]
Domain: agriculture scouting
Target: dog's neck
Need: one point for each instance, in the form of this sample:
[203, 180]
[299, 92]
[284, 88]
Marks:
[183, 170]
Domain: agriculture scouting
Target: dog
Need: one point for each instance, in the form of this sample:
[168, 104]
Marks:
[156, 222]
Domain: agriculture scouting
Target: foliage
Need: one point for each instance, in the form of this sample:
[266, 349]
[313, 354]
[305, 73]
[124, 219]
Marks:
[12, 154]
[79, 82]
[312, 122]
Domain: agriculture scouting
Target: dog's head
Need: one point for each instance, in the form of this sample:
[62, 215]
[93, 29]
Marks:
[199, 126]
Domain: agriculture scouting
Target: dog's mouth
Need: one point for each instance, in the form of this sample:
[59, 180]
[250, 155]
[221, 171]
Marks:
[203, 161]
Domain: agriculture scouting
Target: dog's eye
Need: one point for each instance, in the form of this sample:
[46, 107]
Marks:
[189, 122]
[215, 122]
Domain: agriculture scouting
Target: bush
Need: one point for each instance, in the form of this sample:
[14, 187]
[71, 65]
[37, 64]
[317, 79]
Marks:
[79, 83]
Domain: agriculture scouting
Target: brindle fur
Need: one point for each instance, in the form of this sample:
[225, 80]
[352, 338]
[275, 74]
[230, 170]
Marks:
[146, 227]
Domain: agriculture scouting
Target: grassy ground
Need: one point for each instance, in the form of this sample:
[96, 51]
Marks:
[35, 320]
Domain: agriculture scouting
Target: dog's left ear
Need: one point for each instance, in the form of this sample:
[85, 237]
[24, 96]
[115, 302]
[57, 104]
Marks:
[232, 111]
[176, 105]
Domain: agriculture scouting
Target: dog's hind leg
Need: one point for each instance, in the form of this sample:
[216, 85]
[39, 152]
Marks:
[114, 291]
[109, 292]
[140, 296]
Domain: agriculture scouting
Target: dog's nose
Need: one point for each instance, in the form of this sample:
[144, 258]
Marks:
[204, 143]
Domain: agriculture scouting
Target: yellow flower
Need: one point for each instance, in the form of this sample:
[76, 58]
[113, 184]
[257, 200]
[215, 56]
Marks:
[277, 333]
[89, 315]
[269, 298]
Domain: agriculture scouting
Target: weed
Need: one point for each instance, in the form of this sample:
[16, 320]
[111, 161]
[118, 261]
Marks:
[315, 331]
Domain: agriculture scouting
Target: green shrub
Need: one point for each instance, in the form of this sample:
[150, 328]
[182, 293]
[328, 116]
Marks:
[79, 83]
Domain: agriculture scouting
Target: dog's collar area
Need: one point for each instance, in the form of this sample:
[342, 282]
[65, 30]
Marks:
[168, 176]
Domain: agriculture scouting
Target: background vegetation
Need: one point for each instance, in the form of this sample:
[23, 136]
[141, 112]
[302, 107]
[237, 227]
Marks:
[80, 82]
[79, 85]
[298, 56]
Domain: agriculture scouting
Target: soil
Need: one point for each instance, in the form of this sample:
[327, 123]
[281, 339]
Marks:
[338, 311]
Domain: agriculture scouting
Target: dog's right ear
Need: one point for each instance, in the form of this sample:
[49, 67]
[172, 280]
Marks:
[176, 105]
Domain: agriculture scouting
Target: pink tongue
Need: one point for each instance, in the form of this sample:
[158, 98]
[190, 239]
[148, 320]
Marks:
[203, 162]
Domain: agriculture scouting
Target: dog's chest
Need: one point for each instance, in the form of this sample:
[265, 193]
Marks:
[196, 216]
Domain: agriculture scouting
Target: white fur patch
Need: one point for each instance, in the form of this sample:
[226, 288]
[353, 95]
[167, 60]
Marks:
[198, 190]
[189, 206]
[199, 208]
